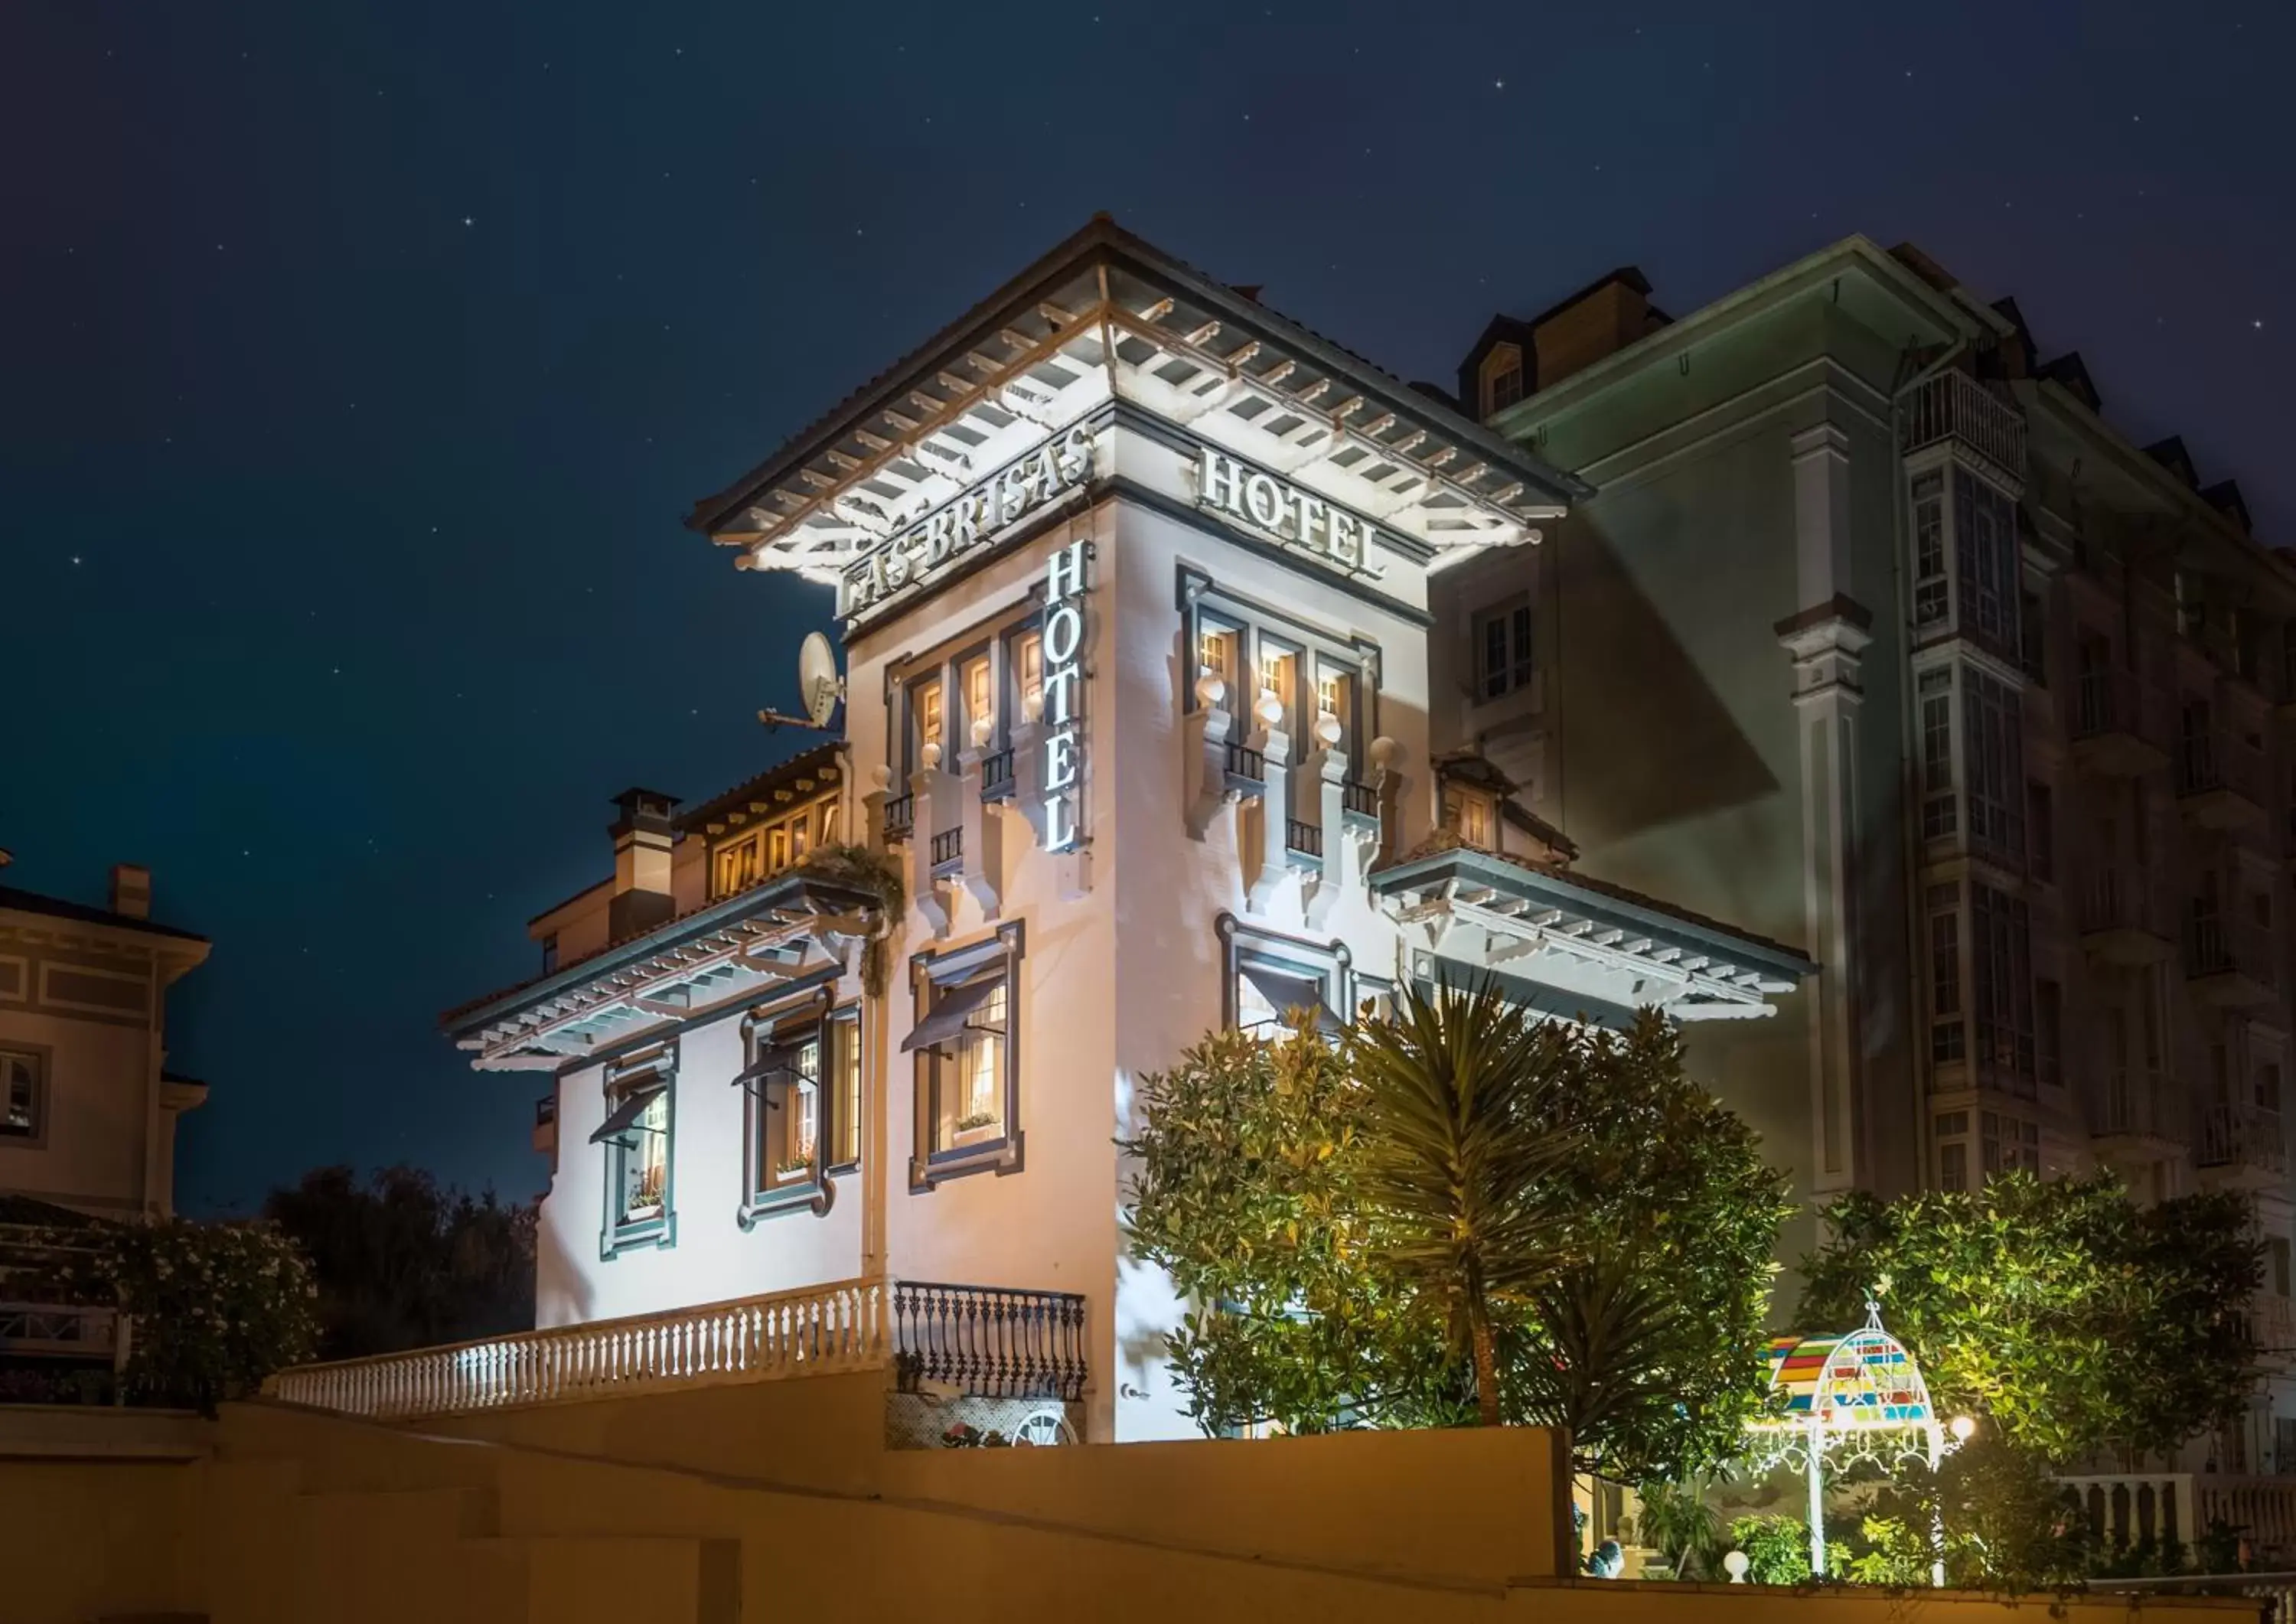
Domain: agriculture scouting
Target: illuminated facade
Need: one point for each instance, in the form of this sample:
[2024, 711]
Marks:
[1986, 706]
[1137, 580]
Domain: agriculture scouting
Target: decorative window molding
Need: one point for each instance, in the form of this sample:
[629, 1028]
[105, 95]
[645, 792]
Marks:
[639, 1139]
[24, 1070]
[1264, 975]
[789, 1113]
[1210, 613]
[967, 1044]
[1502, 646]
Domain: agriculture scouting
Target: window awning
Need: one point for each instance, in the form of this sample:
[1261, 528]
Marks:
[623, 1122]
[949, 1015]
[771, 1066]
[1285, 991]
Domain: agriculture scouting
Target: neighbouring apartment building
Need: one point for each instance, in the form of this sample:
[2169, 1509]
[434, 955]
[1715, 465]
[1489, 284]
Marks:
[88, 1106]
[1146, 595]
[1877, 638]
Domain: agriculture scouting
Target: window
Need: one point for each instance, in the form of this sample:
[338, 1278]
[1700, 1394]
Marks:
[1932, 602]
[549, 954]
[1025, 660]
[2267, 1086]
[2001, 973]
[1279, 674]
[1948, 1039]
[1939, 815]
[975, 680]
[967, 1055]
[1335, 696]
[637, 1137]
[22, 1102]
[1467, 814]
[2259, 908]
[1985, 553]
[2048, 1032]
[1503, 650]
[2276, 1249]
[845, 1086]
[1502, 373]
[1952, 1134]
[2011, 1145]
[1217, 645]
[924, 726]
[2041, 828]
[2036, 663]
[1993, 742]
[1271, 977]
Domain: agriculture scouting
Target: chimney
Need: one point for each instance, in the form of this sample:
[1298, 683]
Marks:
[131, 891]
[1595, 322]
[641, 898]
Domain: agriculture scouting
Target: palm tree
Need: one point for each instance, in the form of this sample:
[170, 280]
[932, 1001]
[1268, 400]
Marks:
[1459, 1094]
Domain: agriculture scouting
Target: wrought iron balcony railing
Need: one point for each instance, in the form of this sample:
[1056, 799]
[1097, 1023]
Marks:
[1247, 769]
[948, 849]
[1359, 800]
[2241, 1135]
[996, 775]
[900, 816]
[1305, 838]
[989, 1340]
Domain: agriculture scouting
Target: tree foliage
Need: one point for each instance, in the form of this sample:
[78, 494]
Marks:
[1641, 1332]
[403, 1261]
[2073, 1318]
[213, 1308]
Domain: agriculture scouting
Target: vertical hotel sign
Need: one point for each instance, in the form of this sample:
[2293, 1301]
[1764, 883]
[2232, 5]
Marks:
[1065, 587]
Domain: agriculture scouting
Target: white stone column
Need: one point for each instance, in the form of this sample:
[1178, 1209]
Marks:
[937, 809]
[984, 835]
[1826, 640]
[1274, 868]
[1326, 772]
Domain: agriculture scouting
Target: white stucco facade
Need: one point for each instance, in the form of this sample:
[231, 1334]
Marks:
[1136, 580]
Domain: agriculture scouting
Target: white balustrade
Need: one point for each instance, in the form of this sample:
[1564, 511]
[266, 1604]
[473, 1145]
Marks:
[816, 1331]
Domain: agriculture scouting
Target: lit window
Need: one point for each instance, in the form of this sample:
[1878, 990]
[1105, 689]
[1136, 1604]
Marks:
[1215, 655]
[1467, 814]
[1278, 672]
[829, 809]
[980, 701]
[1027, 659]
[636, 1136]
[845, 1114]
[924, 714]
[802, 1131]
[967, 1076]
[801, 830]
[19, 1095]
[777, 851]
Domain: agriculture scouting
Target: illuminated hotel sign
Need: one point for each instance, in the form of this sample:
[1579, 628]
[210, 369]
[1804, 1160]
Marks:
[1282, 511]
[1064, 642]
[958, 527]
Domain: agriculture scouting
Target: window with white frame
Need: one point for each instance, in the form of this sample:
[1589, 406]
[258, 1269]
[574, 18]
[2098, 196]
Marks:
[1502, 646]
[1932, 602]
[965, 1041]
[1994, 780]
[635, 1139]
[2011, 1145]
[1252, 648]
[1952, 1135]
[1940, 808]
[23, 1096]
[2001, 971]
[1985, 553]
[1948, 1039]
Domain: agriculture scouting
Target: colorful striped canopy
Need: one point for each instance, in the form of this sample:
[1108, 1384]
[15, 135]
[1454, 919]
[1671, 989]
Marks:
[1863, 1381]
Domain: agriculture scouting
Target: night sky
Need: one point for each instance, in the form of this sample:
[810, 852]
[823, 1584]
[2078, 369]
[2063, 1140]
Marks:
[359, 358]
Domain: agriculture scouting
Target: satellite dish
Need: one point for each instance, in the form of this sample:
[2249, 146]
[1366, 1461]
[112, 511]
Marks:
[817, 680]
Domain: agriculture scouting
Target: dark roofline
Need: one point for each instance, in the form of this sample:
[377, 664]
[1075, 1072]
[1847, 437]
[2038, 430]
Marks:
[1631, 274]
[56, 907]
[1102, 236]
[811, 760]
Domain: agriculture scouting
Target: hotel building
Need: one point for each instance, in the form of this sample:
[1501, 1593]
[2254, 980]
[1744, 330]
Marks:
[1150, 703]
[1986, 707]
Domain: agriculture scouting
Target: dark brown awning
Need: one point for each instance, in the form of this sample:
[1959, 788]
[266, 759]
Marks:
[1286, 991]
[622, 1122]
[950, 1013]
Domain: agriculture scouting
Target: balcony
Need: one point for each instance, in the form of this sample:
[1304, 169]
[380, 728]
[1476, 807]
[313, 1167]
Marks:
[545, 1126]
[2139, 1110]
[996, 775]
[2219, 781]
[1956, 408]
[1359, 802]
[2272, 1330]
[2126, 1508]
[1303, 843]
[1247, 771]
[900, 817]
[2242, 1147]
[2229, 962]
[2117, 724]
[2118, 921]
[947, 851]
[989, 1341]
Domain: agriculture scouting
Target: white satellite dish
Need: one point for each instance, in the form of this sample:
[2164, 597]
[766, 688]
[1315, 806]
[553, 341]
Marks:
[817, 679]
